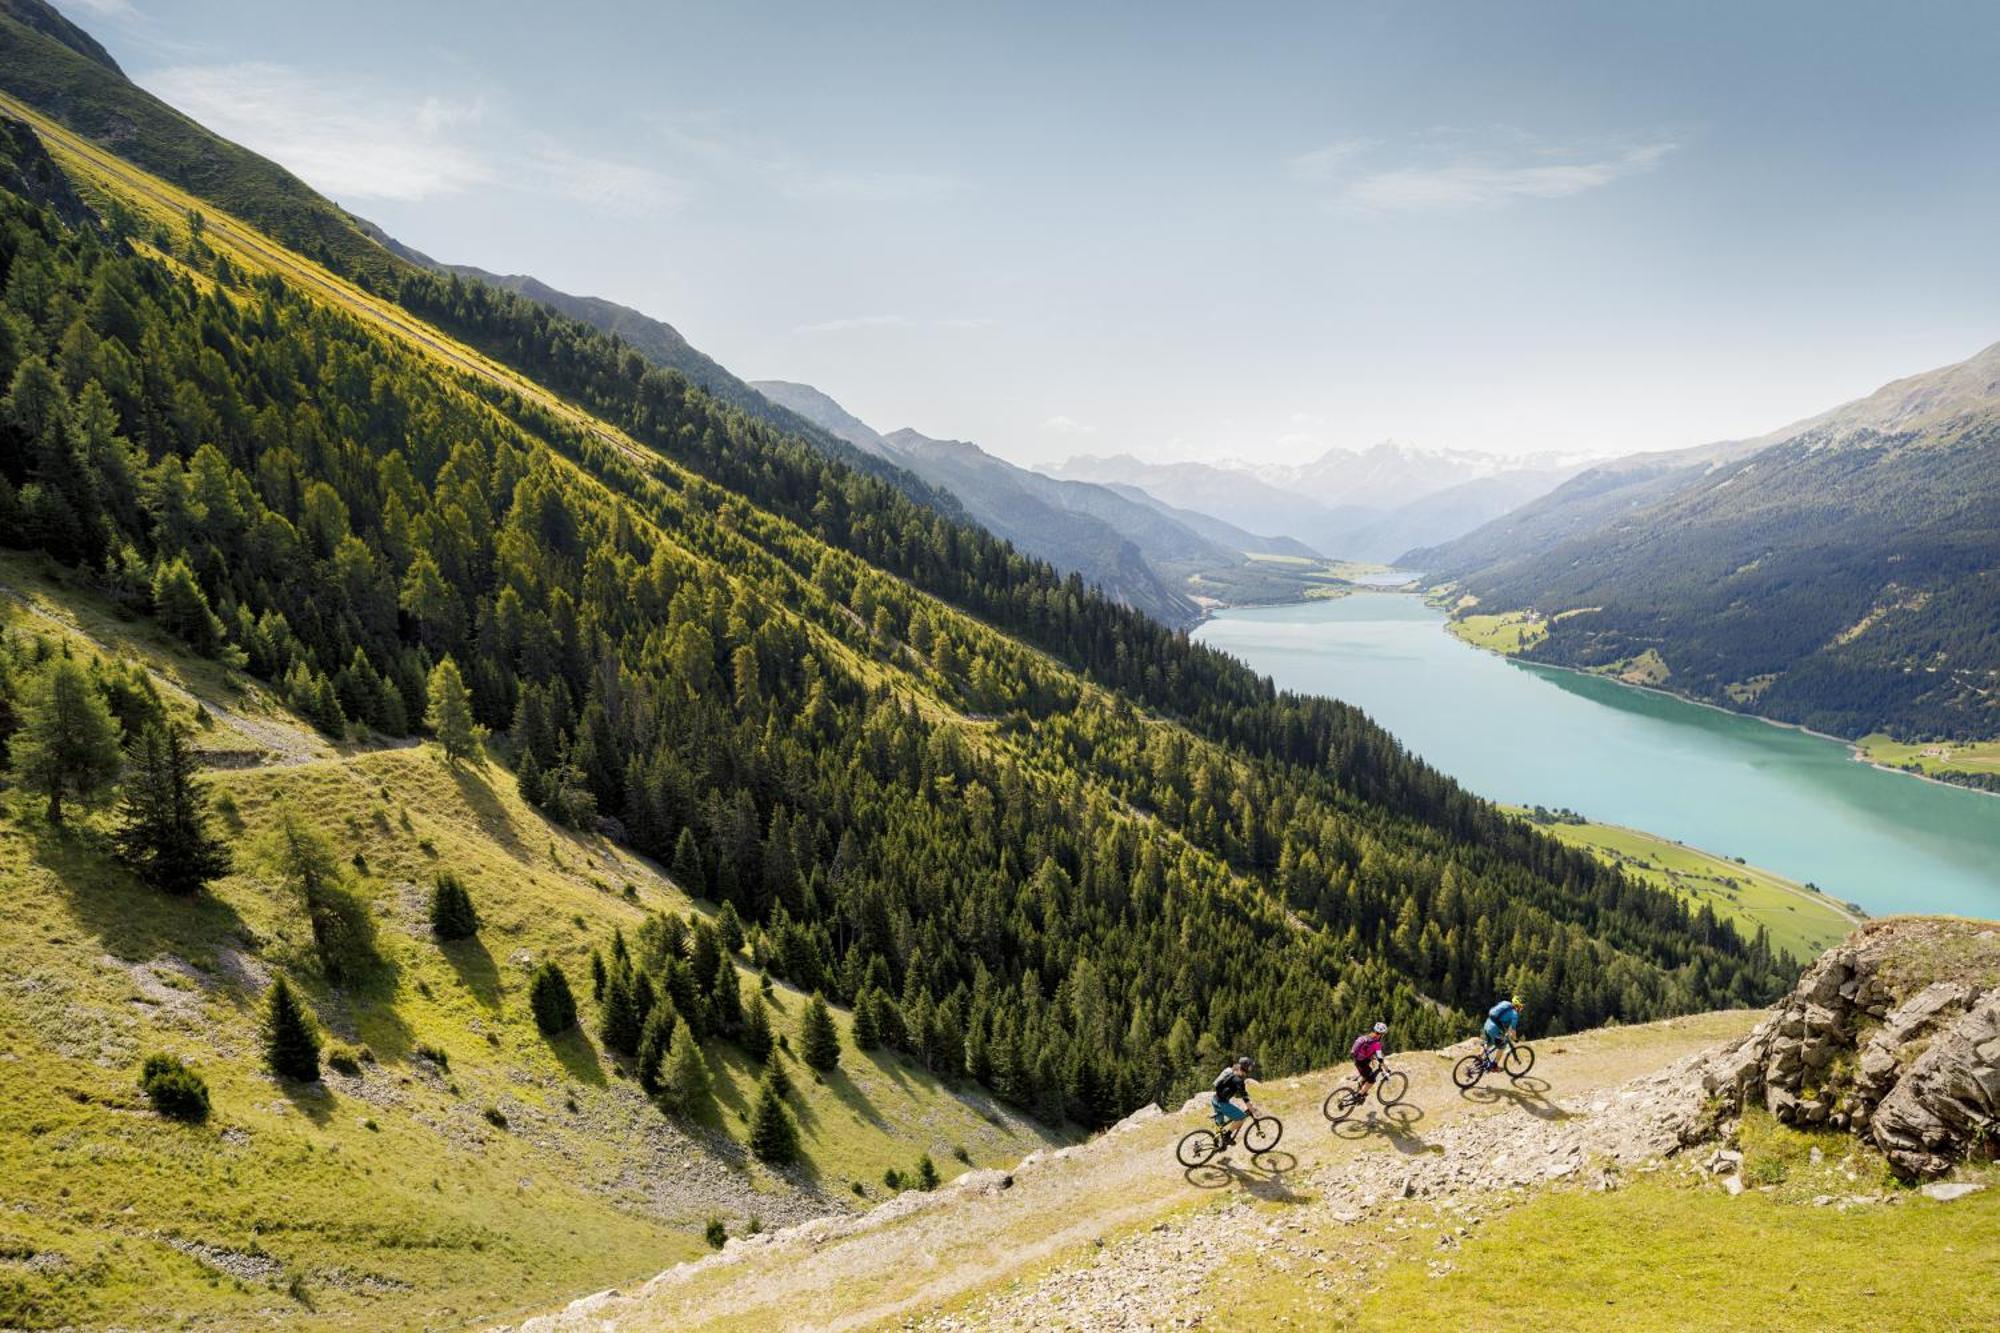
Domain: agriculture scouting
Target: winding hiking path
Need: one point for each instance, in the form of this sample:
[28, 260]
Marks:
[1115, 1234]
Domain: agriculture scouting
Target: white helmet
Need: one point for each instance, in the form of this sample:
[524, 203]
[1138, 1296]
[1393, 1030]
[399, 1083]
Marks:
[1381, 1028]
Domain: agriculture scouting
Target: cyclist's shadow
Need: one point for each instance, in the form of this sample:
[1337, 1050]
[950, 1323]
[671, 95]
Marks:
[1265, 1178]
[1527, 1092]
[1393, 1124]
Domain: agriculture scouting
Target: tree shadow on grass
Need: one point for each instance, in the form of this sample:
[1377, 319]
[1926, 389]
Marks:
[849, 1094]
[477, 792]
[315, 1101]
[475, 967]
[128, 919]
[579, 1058]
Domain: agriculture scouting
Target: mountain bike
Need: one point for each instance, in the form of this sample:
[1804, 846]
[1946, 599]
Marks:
[1200, 1146]
[1390, 1087]
[1520, 1058]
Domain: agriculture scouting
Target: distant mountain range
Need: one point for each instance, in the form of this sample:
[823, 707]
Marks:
[1140, 550]
[1370, 504]
[1842, 572]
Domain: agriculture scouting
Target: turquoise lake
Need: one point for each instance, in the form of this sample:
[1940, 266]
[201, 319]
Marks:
[1780, 798]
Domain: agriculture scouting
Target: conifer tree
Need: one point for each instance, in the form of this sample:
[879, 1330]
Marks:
[686, 867]
[773, 1136]
[449, 715]
[757, 1041]
[67, 747]
[927, 1173]
[725, 999]
[620, 1024]
[687, 1072]
[655, 1040]
[729, 926]
[867, 1022]
[452, 913]
[550, 999]
[291, 1042]
[164, 834]
[183, 608]
[819, 1040]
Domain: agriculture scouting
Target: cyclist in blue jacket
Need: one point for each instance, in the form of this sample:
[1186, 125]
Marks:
[1503, 1022]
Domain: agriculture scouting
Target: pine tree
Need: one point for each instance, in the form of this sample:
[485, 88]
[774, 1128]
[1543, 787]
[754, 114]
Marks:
[164, 834]
[181, 606]
[927, 1173]
[757, 1041]
[867, 1022]
[450, 713]
[725, 999]
[452, 913]
[686, 1079]
[598, 976]
[550, 999]
[68, 743]
[773, 1136]
[620, 1024]
[819, 1040]
[655, 1040]
[729, 926]
[686, 868]
[291, 1043]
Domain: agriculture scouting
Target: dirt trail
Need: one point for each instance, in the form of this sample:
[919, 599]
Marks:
[1028, 1253]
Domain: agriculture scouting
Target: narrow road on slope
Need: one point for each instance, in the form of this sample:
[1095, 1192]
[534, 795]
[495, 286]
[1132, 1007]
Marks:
[1016, 1254]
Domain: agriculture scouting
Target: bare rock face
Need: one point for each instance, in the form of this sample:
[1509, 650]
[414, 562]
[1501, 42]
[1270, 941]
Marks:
[1894, 1034]
[1949, 1101]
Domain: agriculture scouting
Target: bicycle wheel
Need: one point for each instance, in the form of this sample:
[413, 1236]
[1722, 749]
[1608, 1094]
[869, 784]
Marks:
[1340, 1103]
[1520, 1060]
[1196, 1147]
[1468, 1070]
[1392, 1087]
[1263, 1134]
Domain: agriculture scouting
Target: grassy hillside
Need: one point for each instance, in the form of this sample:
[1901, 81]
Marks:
[389, 1196]
[1452, 1210]
[1971, 763]
[1802, 921]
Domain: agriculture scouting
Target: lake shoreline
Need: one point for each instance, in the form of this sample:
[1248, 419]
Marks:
[1696, 776]
[1854, 751]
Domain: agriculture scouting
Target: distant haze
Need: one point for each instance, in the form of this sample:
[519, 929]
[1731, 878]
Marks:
[1174, 231]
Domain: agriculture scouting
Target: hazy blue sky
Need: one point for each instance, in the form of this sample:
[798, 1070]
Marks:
[1183, 231]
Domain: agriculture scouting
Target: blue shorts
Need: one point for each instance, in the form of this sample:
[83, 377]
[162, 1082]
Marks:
[1495, 1034]
[1228, 1111]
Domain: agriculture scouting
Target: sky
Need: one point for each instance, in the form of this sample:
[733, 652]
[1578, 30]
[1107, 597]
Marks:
[1178, 231]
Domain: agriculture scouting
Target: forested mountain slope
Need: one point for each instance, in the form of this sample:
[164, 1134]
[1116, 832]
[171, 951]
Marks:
[796, 721]
[1035, 841]
[1845, 577]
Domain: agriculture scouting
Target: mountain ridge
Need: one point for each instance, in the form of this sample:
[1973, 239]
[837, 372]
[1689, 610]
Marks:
[1839, 572]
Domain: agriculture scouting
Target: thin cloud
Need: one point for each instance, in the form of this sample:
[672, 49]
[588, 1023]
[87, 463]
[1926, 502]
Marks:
[709, 141]
[359, 143]
[1457, 169]
[1062, 425]
[1323, 163]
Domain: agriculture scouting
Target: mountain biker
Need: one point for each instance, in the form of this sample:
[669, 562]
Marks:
[1503, 1023]
[1231, 1084]
[1367, 1051]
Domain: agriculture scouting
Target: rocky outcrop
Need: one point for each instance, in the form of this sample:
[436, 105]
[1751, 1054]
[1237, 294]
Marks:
[1894, 1034]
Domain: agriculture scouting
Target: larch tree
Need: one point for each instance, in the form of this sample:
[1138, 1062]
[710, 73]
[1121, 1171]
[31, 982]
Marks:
[67, 748]
[450, 713]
